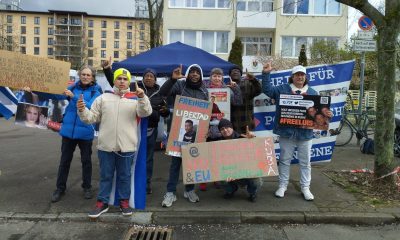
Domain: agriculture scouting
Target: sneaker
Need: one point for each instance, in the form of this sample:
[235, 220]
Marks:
[191, 196]
[98, 210]
[57, 194]
[253, 198]
[203, 186]
[280, 193]
[87, 193]
[148, 188]
[308, 196]
[125, 209]
[169, 198]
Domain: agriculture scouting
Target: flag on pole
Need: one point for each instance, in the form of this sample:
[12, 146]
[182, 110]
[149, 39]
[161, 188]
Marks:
[8, 102]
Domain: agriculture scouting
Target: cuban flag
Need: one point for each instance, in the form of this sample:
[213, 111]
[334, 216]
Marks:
[8, 102]
[137, 199]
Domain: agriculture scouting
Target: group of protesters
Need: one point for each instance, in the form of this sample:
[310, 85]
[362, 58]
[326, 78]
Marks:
[117, 112]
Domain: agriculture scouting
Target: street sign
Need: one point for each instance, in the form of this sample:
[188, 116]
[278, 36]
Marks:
[365, 23]
[364, 45]
[365, 35]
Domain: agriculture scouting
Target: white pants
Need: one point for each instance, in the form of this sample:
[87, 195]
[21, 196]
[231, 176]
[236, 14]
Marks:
[288, 147]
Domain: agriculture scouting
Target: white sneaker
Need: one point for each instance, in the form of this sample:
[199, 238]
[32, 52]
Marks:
[307, 194]
[191, 196]
[169, 198]
[280, 193]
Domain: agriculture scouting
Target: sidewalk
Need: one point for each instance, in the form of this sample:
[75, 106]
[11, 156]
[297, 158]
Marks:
[28, 166]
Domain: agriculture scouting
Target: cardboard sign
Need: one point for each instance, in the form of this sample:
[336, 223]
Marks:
[237, 159]
[189, 123]
[304, 111]
[40, 74]
[221, 99]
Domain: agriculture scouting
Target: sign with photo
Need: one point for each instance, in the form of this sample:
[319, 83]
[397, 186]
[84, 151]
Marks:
[190, 123]
[304, 111]
[220, 160]
[221, 101]
[30, 115]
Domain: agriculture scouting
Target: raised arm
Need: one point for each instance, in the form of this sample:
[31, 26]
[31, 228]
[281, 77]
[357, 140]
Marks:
[268, 89]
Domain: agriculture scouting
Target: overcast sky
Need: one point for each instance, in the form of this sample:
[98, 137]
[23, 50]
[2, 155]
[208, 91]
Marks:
[96, 7]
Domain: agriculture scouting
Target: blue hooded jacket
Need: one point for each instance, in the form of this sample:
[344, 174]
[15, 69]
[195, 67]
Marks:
[72, 126]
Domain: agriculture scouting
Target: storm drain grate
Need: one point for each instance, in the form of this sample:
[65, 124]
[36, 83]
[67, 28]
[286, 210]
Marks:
[148, 233]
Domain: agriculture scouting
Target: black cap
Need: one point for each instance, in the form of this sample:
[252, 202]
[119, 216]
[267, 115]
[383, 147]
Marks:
[224, 123]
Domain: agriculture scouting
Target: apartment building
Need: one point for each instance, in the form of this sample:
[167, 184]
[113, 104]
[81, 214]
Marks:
[265, 27]
[76, 37]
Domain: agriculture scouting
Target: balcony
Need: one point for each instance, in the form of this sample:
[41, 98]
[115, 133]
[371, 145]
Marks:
[67, 43]
[68, 33]
[256, 20]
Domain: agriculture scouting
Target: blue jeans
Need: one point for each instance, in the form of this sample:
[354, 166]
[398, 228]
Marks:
[174, 171]
[151, 144]
[253, 185]
[109, 163]
[67, 152]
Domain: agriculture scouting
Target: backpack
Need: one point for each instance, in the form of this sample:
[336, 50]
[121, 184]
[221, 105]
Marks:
[367, 147]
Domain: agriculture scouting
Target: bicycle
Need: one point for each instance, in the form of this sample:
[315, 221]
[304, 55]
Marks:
[360, 127]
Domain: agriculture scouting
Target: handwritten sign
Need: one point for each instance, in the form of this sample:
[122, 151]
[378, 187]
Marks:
[238, 158]
[189, 123]
[306, 111]
[40, 74]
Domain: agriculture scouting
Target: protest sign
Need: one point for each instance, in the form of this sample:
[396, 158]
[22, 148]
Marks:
[221, 100]
[190, 123]
[40, 74]
[30, 115]
[237, 159]
[328, 80]
[304, 111]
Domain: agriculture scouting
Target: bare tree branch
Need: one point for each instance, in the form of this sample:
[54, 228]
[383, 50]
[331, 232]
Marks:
[365, 7]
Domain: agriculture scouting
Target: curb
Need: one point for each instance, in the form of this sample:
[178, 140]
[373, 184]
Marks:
[192, 217]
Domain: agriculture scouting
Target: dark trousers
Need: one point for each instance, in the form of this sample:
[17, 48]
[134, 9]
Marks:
[174, 171]
[151, 144]
[67, 152]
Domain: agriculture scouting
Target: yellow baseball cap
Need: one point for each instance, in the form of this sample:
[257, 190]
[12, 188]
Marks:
[122, 71]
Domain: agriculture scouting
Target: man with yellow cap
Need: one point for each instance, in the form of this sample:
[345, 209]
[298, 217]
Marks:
[117, 142]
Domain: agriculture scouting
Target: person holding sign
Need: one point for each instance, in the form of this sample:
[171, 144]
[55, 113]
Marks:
[292, 137]
[117, 143]
[74, 132]
[193, 87]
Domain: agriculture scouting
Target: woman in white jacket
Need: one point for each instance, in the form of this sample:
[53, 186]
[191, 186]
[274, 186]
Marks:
[117, 142]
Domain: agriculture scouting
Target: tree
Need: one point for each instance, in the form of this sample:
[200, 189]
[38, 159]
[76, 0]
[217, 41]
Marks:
[388, 26]
[303, 56]
[155, 8]
[236, 53]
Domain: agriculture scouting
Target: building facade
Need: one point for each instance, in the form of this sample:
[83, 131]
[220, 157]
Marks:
[76, 37]
[266, 27]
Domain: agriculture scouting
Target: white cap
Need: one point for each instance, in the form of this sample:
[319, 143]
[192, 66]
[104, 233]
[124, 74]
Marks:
[299, 68]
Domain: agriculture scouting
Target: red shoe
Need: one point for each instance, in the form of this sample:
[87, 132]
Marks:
[203, 186]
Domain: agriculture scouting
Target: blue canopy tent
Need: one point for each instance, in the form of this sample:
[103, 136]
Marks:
[166, 58]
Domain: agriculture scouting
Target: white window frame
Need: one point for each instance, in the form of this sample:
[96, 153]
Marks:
[259, 42]
[311, 6]
[199, 5]
[309, 42]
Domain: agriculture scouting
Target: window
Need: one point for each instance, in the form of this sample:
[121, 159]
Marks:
[90, 62]
[103, 53]
[36, 30]
[50, 31]
[291, 45]
[50, 21]
[103, 24]
[22, 40]
[116, 44]
[90, 43]
[225, 4]
[36, 20]
[116, 35]
[36, 40]
[103, 44]
[257, 46]
[10, 40]
[50, 41]
[116, 54]
[129, 25]
[9, 29]
[116, 24]
[23, 19]
[141, 36]
[23, 29]
[90, 23]
[141, 47]
[255, 5]
[75, 21]
[129, 35]
[90, 53]
[36, 51]
[90, 33]
[210, 41]
[311, 7]
[103, 34]
[50, 51]
[209, 3]
[23, 50]
[9, 18]
[141, 26]
[128, 53]
[191, 3]
[129, 45]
